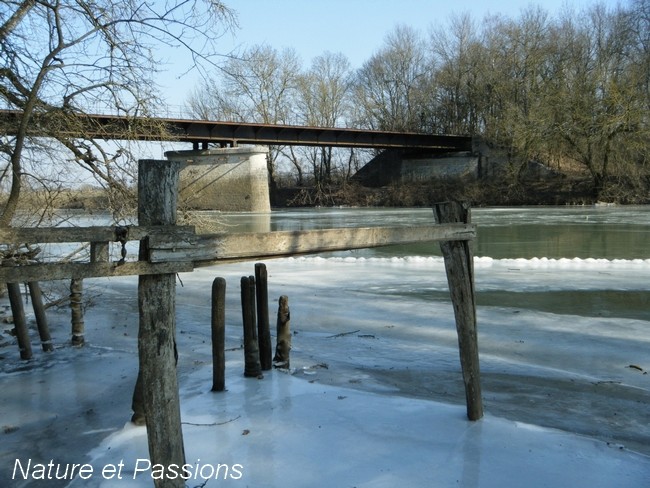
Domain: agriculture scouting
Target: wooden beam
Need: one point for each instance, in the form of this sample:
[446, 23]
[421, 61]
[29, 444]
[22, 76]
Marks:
[63, 271]
[36, 235]
[224, 247]
[172, 249]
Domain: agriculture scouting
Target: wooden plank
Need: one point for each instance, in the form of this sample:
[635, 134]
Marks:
[223, 247]
[62, 271]
[39, 235]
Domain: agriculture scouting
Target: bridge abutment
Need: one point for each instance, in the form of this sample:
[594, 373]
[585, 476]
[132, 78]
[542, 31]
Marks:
[230, 179]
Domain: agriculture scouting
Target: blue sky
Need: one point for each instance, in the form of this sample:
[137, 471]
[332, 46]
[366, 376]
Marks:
[355, 28]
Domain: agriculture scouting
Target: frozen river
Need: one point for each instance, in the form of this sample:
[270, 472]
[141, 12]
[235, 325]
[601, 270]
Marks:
[564, 334]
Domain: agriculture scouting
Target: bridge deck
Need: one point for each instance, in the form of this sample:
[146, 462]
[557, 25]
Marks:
[227, 133]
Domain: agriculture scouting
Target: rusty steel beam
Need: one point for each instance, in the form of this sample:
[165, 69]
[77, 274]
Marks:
[225, 133]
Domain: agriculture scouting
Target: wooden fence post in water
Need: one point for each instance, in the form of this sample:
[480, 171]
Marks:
[157, 200]
[460, 276]
[41, 317]
[252, 367]
[76, 298]
[218, 334]
[283, 346]
[18, 312]
[263, 327]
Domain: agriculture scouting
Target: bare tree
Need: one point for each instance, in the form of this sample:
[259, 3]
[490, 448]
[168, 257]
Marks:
[513, 70]
[324, 100]
[389, 85]
[454, 98]
[259, 86]
[598, 100]
[66, 57]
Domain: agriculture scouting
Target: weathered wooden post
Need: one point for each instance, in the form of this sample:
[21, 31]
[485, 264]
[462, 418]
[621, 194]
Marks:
[252, 368]
[77, 320]
[263, 327]
[41, 317]
[218, 334]
[283, 346]
[20, 324]
[460, 276]
[157, 200]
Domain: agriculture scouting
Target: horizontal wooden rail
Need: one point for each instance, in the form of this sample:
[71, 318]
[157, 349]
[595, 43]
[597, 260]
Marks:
[242, 246]
[62, 271]
[173, 249]
[42, 235]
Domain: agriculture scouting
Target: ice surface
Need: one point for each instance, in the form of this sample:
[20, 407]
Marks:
[376, 396]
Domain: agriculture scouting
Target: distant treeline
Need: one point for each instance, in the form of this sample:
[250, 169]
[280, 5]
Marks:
[570, 90]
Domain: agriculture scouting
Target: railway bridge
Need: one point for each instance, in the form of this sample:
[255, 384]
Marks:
[227, 161]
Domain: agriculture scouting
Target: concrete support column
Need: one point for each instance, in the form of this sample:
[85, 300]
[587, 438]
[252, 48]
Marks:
[230, 179]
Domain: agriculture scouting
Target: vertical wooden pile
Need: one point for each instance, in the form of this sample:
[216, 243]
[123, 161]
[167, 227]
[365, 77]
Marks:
[157, 199]
[20, 323]
[22, 333]
[263, 328]
[252, 366]
[39, 314]
[77, 320]
[283, 346]
[218, 320]
[460, 276]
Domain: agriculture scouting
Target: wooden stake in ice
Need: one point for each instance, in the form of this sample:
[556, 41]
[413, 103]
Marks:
[460, 276]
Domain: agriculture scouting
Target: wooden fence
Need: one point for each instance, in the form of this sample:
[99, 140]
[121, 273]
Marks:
[166, 249]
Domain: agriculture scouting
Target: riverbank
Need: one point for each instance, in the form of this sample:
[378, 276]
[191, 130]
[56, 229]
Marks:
[559, 191]
[564, 190]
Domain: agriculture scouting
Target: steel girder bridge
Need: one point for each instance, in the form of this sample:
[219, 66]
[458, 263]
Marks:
[203, 132]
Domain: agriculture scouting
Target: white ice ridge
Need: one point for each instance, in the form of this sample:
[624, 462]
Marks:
[564, 263]
[487, 262]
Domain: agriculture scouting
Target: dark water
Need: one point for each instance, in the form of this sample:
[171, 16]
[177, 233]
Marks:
[552, 232]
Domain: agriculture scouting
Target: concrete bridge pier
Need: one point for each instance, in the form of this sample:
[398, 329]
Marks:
[230, 179]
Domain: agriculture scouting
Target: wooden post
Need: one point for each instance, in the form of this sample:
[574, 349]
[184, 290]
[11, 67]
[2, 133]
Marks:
[157, 200]
[263, 327]
[41, 317]
[99, 252]
[252, 368]
[76, 298]
[283, 346]
[460, 276]
[18, 312]
[218, 334]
